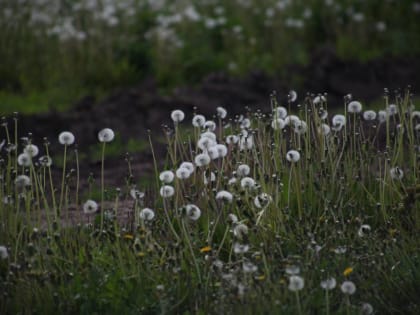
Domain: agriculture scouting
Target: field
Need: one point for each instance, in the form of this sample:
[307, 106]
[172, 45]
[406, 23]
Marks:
[209, 157]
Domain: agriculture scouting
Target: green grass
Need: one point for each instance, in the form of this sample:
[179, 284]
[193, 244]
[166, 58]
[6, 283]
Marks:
[341, 210]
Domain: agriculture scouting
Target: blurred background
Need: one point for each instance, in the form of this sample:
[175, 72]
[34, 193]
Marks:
[55, 52]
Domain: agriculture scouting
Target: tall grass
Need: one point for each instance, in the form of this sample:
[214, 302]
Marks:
[308, 214]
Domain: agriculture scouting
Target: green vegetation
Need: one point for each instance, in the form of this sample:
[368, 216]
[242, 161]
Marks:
[262, 213]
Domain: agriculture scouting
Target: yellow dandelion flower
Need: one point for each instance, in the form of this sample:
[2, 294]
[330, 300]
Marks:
[205, 249]
[128, 236]
[347, 271]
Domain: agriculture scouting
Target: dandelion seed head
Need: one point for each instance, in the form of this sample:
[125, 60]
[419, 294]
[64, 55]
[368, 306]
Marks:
[292, 270]
[205, 143]
[382, 116]
[240, 248]
[232, 218]
[292, 96]
[348, 287]
[183, 173]
[280, 112]
[188, 165]
[324, 129]
[167, 177]
[210, 125]
[246, 143]
[243, 170]
[232, 139]
[224, 195]
[213, 152]
[354, 107]
[240, 231]
[211, 178]
[45, 161]
[90, 206]
[247, 183]
[296, 283]
[177, 116]
[24, 159]
[329, 284]
[209, 134]
[338, 122]
[193, 212]
[363, 230]
[3, 252]
[221, 112]
[202, 159]
[167, 191]
[245, 123]
[22, 181]
[291, 120]
[278, 124]
[249, 267]
[31, 150]
[222, 150]
[293, 156]
[340, 250]
[66, 138]
[146, 214]
[262, 200]
[396, 173]
[366, 308]
[106, 135]
[136, 194]
[198, 121]
[392, 109]
[319, 99]
[300, 127]
[369, 115]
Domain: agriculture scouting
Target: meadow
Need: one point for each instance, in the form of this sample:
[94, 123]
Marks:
[290, 211]
[54, 52]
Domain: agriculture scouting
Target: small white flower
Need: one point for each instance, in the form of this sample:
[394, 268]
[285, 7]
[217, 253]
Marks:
[221, 112]
[232, 139]
[90, 207]
[354, 107]
[167, 191]
[240, 248]
[247, 183]
[210, 125]
[296, 283]
[240, 231]
[66, 138]
[243, 170]
[193, 212]
[262, 200]
[31, 150]
[147, 214]
[202, 159]
[363, 230]
[280, 112]
[188, 165]
[22, 181]
[3, 252]
[396, 173]
[106, 135]
[348, 287]
[45, 161]
[167, 177]
[183, 173]
[278, 124]
[369, 115]
[198, 121]
[136, 194]
[224, 195]
[24, 159]
[329, 284]
[177, 115]
[293, 156]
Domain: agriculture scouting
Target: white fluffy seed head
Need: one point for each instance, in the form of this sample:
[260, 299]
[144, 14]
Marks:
[24, 159]
[369, 115]
[106, 135]
[213, 152]
[136, 194]
[202, 159]
[262, 200]
[177, 116]
[22, 181]
[224, 195]
[243, 170]
[221, 112]
[193, 212]
[382, 116]
[293, 156]
[296, 283]
[247, 183]
[183, 173]
[280, 112]
[188, 165]
[354, 107]
[292, 96]
[205, 143]
[392, 109]
[167, 177]
[348, 287]
[31, 150]
[198, 121]
[45, 161]
[278, 124]
[324, 129]
[240, 231]
[210, 125]
[167, 191]
[90, 206]
[232, 139]
[147, 214]
[329, 283]
[66, 138]
[222, 150]
[396, 173]
[3, 252]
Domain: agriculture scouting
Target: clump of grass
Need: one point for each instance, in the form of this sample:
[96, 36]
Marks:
[261, 212]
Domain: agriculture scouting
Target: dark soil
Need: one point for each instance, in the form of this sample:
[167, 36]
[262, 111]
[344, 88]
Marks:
[132, 111]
